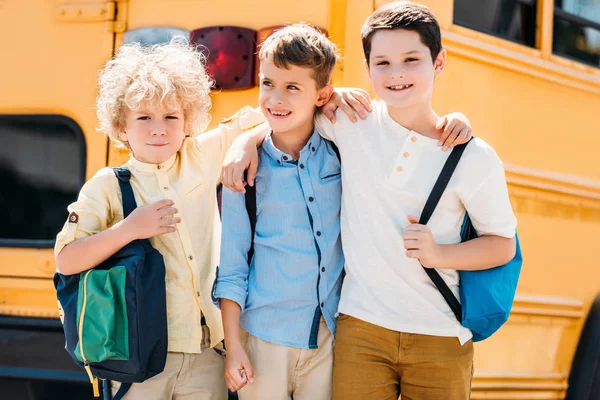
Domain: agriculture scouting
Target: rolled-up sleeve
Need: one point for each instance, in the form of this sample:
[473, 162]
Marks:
[92, 212]
[232, 276]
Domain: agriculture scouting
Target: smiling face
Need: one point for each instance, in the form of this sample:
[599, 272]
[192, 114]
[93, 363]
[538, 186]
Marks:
[401, 69]
[289, 97]
[154, 134]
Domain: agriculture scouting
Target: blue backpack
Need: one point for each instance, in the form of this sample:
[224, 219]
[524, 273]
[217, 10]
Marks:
[486, 296]
[115, 315]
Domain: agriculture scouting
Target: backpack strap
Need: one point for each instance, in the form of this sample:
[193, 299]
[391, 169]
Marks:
[107, 392]
[129, 204]
[430, 205]
[251, 210]
[335, 149]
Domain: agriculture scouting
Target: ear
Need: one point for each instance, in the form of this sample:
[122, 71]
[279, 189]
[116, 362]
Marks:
[367, 68]
[440, 62]
[324, 95]
[123, 135]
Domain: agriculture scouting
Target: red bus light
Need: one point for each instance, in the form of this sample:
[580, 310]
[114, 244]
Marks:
[230, 55]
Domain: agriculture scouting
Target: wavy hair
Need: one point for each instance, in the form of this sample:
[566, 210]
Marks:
[168, 75]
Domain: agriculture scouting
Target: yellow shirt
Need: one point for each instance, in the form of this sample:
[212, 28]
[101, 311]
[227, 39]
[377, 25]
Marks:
[191, 254]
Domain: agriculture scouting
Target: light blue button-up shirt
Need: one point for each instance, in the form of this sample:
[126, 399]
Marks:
[296, 273]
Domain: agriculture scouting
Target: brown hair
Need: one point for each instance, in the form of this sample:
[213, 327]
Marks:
[304, 46]
[404, 15]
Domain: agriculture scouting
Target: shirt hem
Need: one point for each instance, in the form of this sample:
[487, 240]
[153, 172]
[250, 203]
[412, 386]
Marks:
[277, 342]
[463, 337]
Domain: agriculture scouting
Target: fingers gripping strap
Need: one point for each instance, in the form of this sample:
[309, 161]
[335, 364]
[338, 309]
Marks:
[124, 175]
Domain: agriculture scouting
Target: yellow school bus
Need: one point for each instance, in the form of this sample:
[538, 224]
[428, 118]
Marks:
[526, 73]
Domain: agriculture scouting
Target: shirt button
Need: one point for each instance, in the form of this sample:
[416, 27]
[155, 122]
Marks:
[413, 139]
[191, 257]
[323, 269]
[278, 161]
[198, 294]
[313, 149]
[406, 154]
[166, 188]
[158, 167]
[318, 233]
[322, 305]
[311, 199]
[302, 166]
[399, 168]
[285, 158]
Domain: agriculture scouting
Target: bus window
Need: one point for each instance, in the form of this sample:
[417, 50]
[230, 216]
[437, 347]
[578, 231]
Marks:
[42, 167]
[514, 20]
[577, 30]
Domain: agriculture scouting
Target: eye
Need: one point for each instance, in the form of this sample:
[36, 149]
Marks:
[267, 83]
[412, 59]
[383, 63]
[292, 87]
[143, 118]
[171, 117]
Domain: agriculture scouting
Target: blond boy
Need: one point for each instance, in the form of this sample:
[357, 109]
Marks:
[154, 101]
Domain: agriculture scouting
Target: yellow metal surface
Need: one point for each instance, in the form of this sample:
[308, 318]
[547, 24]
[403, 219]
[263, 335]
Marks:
[538, 111]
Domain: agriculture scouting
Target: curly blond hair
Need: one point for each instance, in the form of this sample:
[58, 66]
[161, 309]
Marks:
[167, 75]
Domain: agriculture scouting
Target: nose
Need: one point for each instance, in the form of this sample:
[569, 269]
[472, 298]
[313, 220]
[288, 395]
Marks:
[276, 97]
[398, 72]
[158, 128]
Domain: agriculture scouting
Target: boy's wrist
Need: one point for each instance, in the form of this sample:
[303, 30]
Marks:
[235, 345]
[125, 230]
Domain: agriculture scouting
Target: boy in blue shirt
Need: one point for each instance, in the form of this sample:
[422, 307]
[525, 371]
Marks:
[286, 296]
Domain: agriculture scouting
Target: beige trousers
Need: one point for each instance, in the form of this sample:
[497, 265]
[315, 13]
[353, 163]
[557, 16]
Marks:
[285, 373]
[185, 377]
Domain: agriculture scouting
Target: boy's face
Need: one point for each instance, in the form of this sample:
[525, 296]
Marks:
[289, 97]
[154, 133]
[401, 69]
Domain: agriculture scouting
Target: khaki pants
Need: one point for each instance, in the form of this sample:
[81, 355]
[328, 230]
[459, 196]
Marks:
[185, 377]
[282, 372]
[374, 363]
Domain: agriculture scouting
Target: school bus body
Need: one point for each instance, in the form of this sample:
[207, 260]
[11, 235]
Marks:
[537, 110]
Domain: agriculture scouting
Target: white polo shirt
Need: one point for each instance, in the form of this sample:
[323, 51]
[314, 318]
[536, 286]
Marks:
[388, 172]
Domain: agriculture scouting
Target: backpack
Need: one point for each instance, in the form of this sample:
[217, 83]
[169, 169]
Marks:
[486, 296]
[115, 315]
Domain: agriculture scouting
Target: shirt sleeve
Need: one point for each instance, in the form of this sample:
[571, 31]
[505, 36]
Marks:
[93, 211]
[215, 143]
[486, 196]
[324, 127]
[232, 275]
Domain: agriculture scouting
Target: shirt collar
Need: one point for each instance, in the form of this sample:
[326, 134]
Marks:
[150, 167]
[311, 147]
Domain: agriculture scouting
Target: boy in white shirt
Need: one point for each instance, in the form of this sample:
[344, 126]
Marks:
[396, 334]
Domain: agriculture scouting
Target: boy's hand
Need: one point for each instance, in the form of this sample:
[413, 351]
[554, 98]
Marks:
[238, 370]
[456, 130]
[242, 156]
[351, 101]
[419, 243]
[151, 220]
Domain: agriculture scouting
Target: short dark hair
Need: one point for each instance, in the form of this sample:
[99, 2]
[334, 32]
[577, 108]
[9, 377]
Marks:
[404, 15]
[304, 46]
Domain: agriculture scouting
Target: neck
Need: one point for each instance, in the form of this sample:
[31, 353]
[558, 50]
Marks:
[420, 118]
[293, 141]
